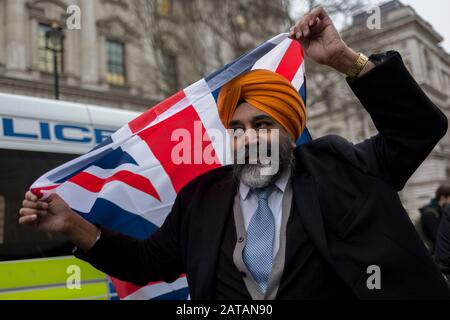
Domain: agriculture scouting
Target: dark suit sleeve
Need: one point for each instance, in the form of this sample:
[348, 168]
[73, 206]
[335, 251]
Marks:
[140, 261]
[409, 124]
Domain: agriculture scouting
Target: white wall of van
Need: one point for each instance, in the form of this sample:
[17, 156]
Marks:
[42, 125]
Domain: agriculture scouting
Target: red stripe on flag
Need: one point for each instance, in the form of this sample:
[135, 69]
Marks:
[291, 62]
[95, 184]
[124, 289]
[38, 191]
[146, 118]
[158, 138]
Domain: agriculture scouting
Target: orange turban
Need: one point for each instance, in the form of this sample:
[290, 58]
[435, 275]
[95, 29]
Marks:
[268, 91]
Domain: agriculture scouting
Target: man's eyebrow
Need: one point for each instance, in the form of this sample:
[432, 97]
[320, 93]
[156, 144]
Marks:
[235, 123]
[261, 117]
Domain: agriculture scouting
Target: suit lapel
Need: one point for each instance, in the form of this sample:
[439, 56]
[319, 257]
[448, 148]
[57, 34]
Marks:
[217, 208]
[308, 207]
[218, 204]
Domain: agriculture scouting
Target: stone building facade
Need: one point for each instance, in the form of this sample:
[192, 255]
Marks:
[26, 67]
[127, 53]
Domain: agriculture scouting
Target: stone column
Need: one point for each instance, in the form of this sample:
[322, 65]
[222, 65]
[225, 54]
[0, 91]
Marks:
[89, 48]
[102, 58]
[16, 21]
[34, 48]
[72, 56]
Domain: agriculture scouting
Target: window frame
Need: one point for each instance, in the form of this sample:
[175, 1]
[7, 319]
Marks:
[124, 62]
[170, 59]
[41, 49]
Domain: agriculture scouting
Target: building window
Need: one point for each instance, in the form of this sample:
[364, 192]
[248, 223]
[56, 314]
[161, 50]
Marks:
[428, 64]
[46, 55]
[428, 61]
[164, 7]
[116, 63]
[169, 69]
[2, 219]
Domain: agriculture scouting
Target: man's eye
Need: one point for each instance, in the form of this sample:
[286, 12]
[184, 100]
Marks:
[263, 124]
[237, 131]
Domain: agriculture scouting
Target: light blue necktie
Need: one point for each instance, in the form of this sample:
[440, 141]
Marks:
[258, 251]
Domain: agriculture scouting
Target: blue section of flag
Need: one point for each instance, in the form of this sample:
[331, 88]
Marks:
[108, 159]
[116, 158]
[113, 217]
[181, 294]
[105, 142]
[215, 94]
[303, 92]
[112, 293]
[304, 138]
[306, 135]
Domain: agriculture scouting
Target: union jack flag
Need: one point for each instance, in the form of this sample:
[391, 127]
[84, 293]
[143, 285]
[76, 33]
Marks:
[129, 182]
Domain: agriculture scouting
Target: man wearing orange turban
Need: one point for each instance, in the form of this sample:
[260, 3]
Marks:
[255, 97]
[331, 227]
[269, 92]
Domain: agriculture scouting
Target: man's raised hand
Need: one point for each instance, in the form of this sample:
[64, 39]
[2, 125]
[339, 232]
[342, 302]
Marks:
[51, 215]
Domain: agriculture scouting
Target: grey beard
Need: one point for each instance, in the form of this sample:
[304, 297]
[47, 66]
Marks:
[250, 174]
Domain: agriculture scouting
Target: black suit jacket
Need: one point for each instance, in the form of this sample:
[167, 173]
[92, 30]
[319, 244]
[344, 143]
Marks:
[442, 254]
[347, 195]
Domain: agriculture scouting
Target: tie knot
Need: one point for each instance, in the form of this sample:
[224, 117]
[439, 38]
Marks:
[263, 193]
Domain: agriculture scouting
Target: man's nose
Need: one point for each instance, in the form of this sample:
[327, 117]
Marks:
[250, 137]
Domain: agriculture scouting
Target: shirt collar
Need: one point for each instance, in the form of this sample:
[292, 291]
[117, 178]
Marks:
[281, 185]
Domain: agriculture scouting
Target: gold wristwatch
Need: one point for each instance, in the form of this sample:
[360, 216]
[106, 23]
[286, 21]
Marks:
[358, 66]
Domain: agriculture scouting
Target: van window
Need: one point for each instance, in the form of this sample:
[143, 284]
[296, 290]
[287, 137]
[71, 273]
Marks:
[2, 218]
[18, 170]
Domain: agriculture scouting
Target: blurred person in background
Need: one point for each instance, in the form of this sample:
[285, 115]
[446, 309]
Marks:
[442, 248]
[431, 215]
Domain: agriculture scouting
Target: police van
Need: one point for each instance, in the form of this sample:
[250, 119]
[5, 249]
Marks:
[37, 135]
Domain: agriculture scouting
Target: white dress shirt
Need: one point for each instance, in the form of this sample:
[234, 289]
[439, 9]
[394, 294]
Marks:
[249, 204]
